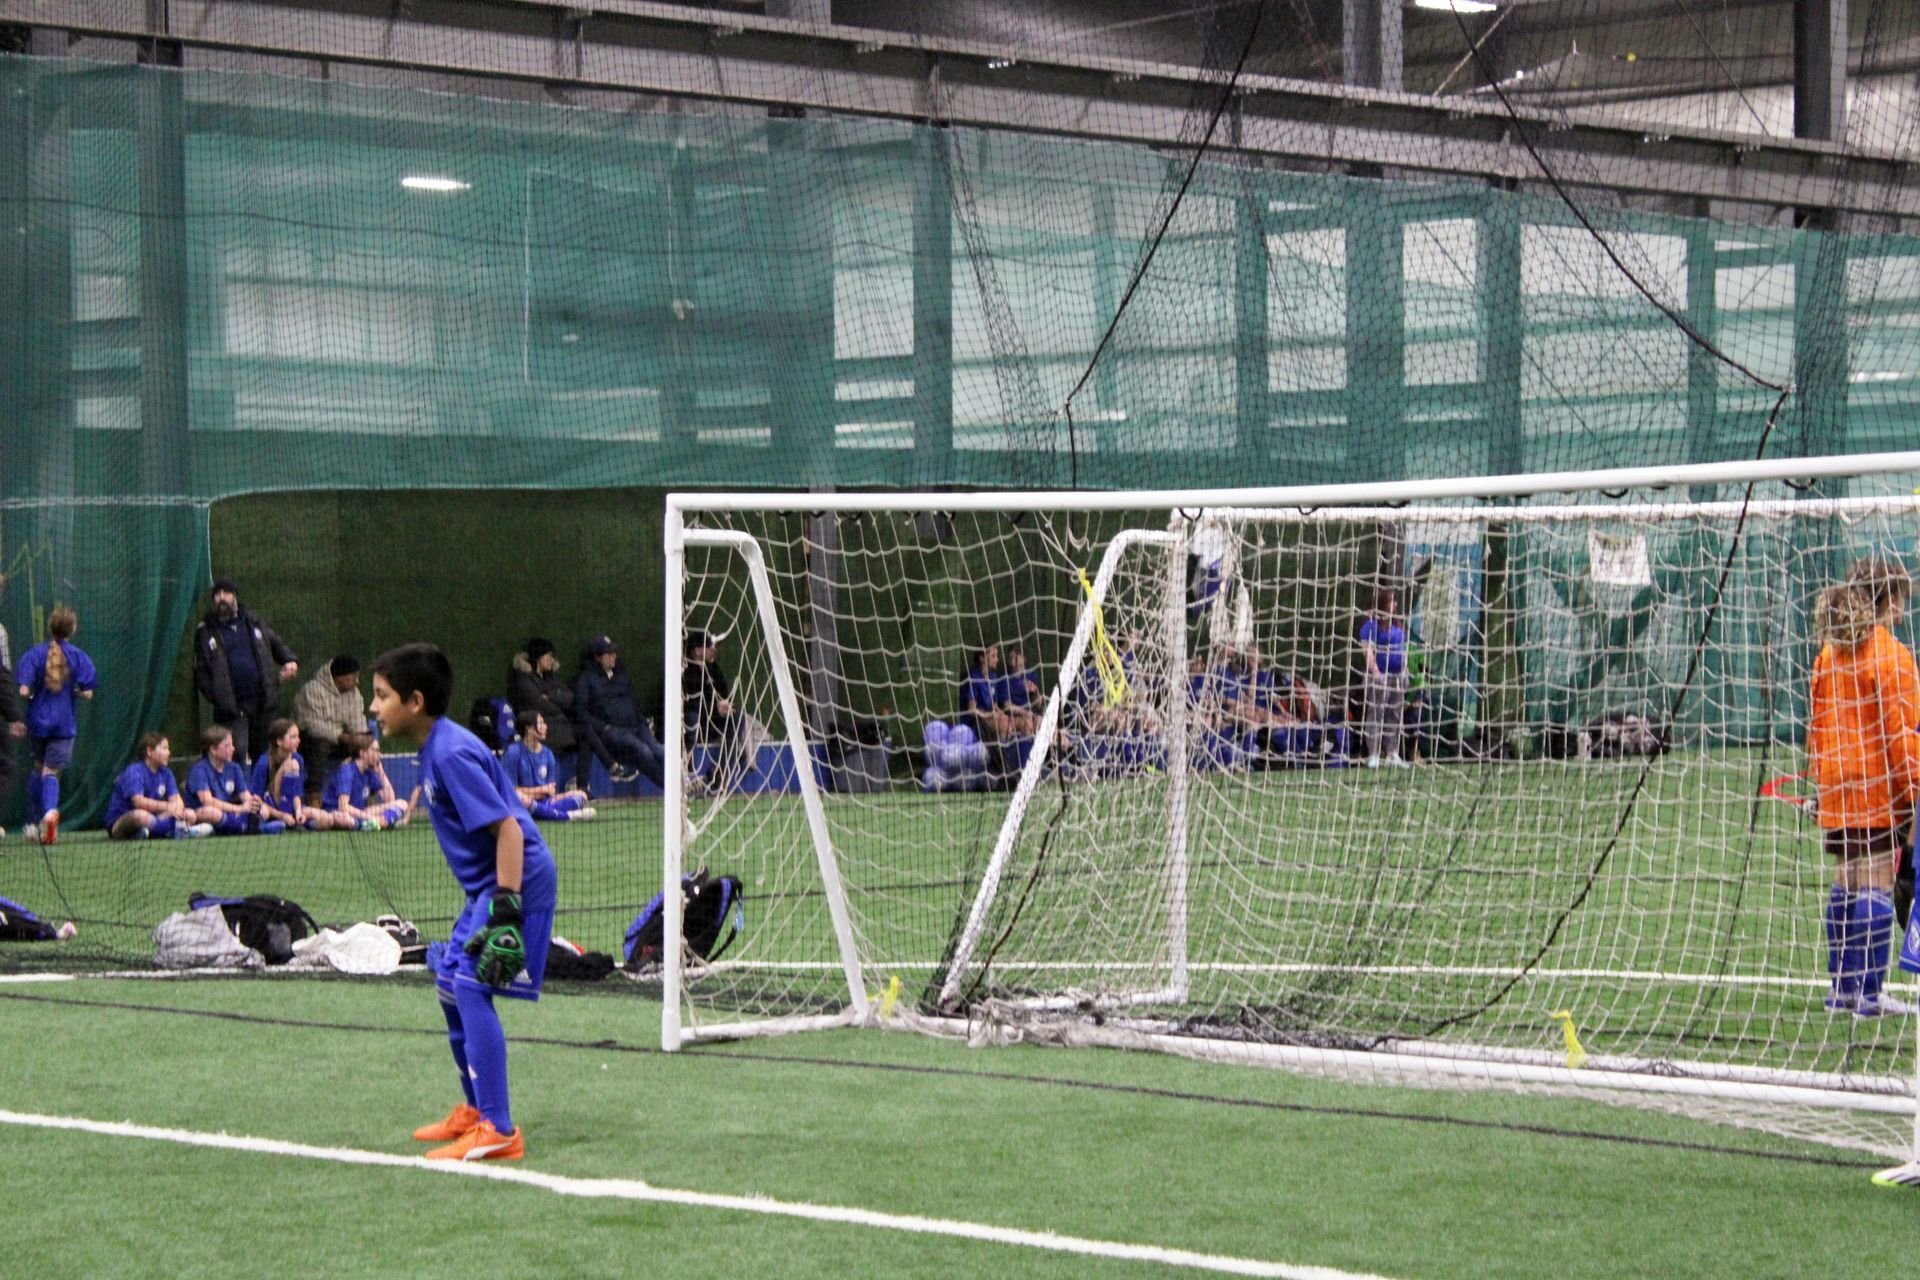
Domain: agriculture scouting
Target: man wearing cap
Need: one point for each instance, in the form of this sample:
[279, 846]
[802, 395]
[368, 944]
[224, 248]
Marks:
[328, 707]
[238, 665]
[603, 701]
[711, 718]
[535, 687]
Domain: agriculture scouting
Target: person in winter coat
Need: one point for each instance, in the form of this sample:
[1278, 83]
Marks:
[238, 666]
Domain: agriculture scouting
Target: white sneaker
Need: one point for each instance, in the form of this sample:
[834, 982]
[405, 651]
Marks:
[1883, 1005]
[198, 831]
[29, 832]
[65, 931]
[1373, 762]
[583, 813]
[1396, 762]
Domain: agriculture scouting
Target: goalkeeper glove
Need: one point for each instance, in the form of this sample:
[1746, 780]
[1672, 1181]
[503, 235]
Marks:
[498, 947]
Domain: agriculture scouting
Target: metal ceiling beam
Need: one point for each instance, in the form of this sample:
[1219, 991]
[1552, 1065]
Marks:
[638, 47]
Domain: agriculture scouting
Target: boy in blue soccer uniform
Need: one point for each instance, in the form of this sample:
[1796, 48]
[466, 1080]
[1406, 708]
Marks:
[359, 792]
[219, 787]
[532, 769]
[145, 802]
[499, 943]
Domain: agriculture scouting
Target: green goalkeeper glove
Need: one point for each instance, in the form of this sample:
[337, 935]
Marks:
[501, 953]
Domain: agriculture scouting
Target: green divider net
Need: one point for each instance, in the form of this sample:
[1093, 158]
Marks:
[228, 284]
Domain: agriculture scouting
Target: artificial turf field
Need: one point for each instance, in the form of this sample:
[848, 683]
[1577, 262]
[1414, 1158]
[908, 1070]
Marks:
[1222, 1161]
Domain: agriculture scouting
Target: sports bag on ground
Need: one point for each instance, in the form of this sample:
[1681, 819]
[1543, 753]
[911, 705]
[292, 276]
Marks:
[268, 924]
[713, 913]
[17, 924]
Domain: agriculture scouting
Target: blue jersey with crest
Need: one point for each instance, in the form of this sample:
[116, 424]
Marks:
[466, 791]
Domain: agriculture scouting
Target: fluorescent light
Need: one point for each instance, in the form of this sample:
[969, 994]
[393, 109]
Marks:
[416, 182]
[999, 64]
[1456, 6]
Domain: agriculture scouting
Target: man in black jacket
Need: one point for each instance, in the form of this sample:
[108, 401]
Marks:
[534, 686]
[603, 701]
[238, 664]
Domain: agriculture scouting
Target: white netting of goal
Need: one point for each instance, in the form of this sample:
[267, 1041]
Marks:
[1571, 881]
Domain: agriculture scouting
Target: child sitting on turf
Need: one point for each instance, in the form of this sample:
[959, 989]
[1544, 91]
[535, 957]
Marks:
[1863, 706]
[496, 854]
[532, 769]
[219, 787]
[146, 802]
[53, 676]
[280, 780]
[359, 792]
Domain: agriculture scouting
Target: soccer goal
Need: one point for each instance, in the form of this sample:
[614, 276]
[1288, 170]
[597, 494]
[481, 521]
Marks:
[1551, 842]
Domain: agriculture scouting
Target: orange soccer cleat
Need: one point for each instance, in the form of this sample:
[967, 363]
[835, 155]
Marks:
[50, 827]
[459, 1120]
[483, 1142]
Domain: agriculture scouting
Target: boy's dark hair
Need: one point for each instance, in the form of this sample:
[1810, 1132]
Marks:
[418, 668]
[355, 743]
[212, 736]
[148, 741]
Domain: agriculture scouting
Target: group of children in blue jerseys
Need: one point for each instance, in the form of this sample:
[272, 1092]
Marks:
[224, 797]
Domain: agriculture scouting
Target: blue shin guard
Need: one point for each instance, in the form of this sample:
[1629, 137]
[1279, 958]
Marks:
[1873, 923]
[456, 1039]
[486, 1052]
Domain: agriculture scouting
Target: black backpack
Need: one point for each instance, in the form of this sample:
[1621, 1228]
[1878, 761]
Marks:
[268, 924]
[713, 913]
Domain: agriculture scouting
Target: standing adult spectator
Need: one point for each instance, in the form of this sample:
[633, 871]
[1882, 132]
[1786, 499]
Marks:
[603, 701]
[535, 687]
[238, 666]
[328, 708]
[1383, 653]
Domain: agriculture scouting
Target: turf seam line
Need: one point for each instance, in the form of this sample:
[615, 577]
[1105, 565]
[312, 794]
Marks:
[715, 1054]
[633, 1189]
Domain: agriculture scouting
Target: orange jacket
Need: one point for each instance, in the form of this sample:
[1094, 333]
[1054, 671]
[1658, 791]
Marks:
[1864, 709]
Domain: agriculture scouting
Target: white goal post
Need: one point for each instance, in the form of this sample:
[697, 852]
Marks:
[1603, 667]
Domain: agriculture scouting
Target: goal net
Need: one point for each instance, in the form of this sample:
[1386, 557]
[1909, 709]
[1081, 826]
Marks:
[1134, 770]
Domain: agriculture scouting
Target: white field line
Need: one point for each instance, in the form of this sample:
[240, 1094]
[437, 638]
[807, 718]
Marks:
[631, 1189]
[1102, 966]
[1380, 970]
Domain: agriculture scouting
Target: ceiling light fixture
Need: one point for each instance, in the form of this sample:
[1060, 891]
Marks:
[416, 182]
[1456, 6]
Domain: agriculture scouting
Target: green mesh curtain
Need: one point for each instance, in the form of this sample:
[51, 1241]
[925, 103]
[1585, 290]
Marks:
[226, 283]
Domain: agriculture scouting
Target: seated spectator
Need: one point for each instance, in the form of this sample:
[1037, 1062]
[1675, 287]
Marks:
[1019, 696]
[711, 718]
[603, 701]
[219, 787]
[980, 696]
[532, 769]
[328, 708]
[359, 792]
[1131, 713]
[146, 802]
[280, 780]
[535, 686]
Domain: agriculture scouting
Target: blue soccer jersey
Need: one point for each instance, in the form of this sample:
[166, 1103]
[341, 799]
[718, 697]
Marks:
[359, 788]
[535, 768]
[293, 780]
[227, 783]
[980, 692]
[138, 780]
[53, 714]
[1389, 641]
[466, 791]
